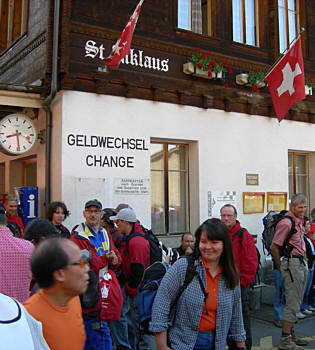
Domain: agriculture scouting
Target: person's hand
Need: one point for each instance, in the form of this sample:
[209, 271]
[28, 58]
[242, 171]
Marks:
[112, 257]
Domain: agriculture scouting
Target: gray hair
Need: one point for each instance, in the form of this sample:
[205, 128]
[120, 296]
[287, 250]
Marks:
[298, 198]
[10, 198]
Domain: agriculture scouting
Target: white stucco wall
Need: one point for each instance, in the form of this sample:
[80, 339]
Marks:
[229, 146]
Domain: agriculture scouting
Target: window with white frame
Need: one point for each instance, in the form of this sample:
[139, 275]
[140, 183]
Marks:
[245, 22]
[169, 188]
[13, 21]
[288, 14]
[195, 15]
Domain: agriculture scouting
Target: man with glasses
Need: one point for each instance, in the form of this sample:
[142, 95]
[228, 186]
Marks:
[62, 273]
[246, 262]
[94, 241]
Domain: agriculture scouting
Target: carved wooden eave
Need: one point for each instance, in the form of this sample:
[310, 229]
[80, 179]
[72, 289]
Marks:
[234, 99]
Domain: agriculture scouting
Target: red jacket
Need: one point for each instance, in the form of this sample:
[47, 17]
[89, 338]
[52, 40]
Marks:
[311, 234]
[245, 255]
[17, 220]
[135, 260]
[97, 263]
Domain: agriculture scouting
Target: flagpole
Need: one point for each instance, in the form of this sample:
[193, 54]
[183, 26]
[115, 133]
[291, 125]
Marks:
[284, 52]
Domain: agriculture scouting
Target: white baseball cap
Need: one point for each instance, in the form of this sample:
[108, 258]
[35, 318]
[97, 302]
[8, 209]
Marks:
[125, 214]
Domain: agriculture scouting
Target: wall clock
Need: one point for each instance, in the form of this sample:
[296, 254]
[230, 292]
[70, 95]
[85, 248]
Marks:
[17, 134]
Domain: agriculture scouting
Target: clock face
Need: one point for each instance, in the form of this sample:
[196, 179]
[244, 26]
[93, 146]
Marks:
[17, 133]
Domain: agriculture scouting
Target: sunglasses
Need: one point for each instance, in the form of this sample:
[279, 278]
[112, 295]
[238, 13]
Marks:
[80, 262]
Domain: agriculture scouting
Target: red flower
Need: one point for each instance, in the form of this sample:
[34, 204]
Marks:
[255, 88]
[210, 67]
[197, 48]
[224, 63]
[310, 80]
[255, 71]
[199, 64]
[209, 74]
[226, 86]
[203, 56]
[209, 53]
[212, 63]
[229, 71]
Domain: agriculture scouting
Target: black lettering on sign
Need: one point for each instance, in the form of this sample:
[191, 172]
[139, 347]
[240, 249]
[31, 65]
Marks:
[109, 161]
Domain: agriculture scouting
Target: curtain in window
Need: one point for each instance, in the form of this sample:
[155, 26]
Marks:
[196, 16]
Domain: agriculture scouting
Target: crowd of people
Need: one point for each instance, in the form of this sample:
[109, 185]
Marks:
[55, 284]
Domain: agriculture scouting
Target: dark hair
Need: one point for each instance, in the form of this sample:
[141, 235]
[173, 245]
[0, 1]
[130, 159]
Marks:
[229, 206]
[38, 228]
[313, 214]
[52, 208]
[48, 257]
[184, 234]
[305, 220]
[107, 212]
[3, 215]
[216, 230]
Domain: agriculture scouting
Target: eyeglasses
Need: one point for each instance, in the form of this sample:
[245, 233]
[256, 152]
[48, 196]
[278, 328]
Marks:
[80, 262]
[92, 211]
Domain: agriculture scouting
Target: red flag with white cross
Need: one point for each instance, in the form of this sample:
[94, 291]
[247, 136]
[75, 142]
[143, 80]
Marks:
[286, 80]
[122, 46]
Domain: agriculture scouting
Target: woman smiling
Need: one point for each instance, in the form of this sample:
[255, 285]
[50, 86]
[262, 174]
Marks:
[201, 323]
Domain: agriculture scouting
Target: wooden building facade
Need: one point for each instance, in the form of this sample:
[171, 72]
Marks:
[173, 145]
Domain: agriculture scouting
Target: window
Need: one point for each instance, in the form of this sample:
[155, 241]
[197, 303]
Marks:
[169, 188]
[245, 21]
[288, 22]
[298, 173]
[13, 21]
[195, 15]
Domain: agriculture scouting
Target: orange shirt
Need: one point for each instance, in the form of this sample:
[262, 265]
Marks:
[63, 327]
[208, 317]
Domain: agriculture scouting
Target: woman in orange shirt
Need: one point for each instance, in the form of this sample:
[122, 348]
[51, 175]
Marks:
[201, 323]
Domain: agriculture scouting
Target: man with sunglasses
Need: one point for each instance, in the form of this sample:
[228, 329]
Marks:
[62, 273]
[97, 243]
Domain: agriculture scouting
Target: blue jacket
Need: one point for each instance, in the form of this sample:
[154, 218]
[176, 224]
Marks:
[183, 333]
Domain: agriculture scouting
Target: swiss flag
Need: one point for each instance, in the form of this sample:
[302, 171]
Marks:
[286, 80]
[122, 46]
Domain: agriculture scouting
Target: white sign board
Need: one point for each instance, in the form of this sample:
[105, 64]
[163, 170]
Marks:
[131, 186]
[216, 200]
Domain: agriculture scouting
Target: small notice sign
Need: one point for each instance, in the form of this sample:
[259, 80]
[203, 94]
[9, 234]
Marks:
[132, 186]
[252, 179]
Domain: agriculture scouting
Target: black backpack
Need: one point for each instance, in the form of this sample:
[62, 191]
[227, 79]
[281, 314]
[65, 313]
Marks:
[270, 222]
[151, 280]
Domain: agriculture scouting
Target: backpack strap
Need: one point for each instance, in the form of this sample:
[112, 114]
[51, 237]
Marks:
[239, 233]
[190, 274]
[130, 237]
[292, 231]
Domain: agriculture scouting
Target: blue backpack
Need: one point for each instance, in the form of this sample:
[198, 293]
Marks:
[151, 280]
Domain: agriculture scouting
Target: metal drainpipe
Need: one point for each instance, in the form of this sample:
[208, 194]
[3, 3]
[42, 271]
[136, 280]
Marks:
[49, 99]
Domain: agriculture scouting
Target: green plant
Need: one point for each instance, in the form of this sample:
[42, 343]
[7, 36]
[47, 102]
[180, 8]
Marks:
[255, 79]
[205, 62]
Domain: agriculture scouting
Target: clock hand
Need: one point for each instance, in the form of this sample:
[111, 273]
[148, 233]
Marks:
[18, 141]
[16, 134]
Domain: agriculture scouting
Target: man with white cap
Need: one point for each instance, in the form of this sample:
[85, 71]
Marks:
[135, 253]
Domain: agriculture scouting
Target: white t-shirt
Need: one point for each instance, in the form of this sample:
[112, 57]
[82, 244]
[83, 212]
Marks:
[18, 329]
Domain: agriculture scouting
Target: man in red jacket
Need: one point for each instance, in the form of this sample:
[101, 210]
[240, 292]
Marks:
[135, 252]
[94, 241]
[10, 204]
[246, 262]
